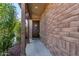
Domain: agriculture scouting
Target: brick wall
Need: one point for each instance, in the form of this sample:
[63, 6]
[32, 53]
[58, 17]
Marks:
[59, 29]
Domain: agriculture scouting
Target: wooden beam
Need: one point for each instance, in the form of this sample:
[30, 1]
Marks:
[23, 40]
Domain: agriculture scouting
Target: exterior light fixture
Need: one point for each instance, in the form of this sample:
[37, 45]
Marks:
[36, 7]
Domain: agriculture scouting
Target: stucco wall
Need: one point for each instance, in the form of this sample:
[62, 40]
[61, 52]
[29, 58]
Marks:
[59, 29]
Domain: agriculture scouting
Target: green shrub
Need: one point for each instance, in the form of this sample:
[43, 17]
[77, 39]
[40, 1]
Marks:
[7, 25]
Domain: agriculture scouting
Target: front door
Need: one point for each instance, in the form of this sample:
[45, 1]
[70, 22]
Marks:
[35, 29]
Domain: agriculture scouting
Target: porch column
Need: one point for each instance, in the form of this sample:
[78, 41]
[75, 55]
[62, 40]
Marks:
[30, 30]
[23, 40]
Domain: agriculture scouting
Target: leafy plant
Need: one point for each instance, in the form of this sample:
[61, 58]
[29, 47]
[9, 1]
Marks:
[7, 25]
[17, 30]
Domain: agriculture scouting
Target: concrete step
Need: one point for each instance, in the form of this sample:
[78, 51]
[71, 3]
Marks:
[74, 24]
[37, 48]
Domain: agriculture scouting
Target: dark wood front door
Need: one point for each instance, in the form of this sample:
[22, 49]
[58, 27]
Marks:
[35, 29]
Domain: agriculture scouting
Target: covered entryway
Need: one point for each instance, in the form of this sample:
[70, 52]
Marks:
[31, 18]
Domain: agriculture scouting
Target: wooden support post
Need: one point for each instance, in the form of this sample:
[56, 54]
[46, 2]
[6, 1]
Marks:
[23, 40]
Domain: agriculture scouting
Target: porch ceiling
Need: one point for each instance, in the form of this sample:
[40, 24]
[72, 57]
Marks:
[36, 10]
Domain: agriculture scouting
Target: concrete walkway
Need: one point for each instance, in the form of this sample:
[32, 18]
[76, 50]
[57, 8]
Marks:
[37, 48]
